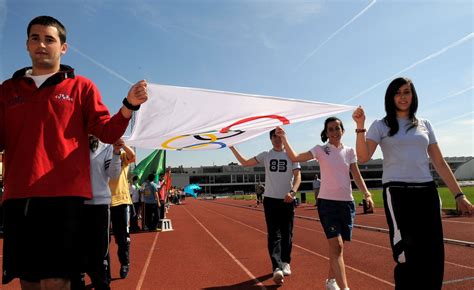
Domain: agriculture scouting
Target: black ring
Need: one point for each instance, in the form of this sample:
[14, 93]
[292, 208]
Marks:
[204, 139]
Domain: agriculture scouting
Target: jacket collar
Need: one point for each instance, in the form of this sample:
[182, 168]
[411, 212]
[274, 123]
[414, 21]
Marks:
[65, 72]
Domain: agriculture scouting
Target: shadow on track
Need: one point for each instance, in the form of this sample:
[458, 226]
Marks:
[249, 284]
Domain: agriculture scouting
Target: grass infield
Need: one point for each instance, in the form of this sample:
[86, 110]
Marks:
[446, 196]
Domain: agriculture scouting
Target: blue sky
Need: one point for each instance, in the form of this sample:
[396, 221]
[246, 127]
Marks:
[329, 51]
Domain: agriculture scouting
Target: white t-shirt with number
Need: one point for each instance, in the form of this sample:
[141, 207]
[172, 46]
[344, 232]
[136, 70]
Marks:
[278, 172]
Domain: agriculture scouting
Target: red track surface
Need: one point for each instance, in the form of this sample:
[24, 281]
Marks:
[221, 244]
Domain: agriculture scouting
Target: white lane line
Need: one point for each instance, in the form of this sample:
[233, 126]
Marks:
[309, 251]
[257, 282]
[364, 227]
[147, 263]
[458, 280]
[458, 222]
[358, 241]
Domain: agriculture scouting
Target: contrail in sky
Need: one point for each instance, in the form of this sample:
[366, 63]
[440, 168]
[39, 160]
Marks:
[429, 57]
[112, 72]
[453, 119]
[332, 35]
[452, 95]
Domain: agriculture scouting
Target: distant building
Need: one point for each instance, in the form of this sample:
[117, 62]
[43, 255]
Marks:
[233, 177]
[465, 171]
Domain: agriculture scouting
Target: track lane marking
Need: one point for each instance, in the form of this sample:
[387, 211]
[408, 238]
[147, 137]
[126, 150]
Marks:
[364, 227]
[147, 263]
[307, 250]
[247, 271]
[359, 241]
[458, 280]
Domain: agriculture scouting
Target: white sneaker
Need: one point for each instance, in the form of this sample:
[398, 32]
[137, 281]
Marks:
[278, 276]
[286, 269]
[331, 284]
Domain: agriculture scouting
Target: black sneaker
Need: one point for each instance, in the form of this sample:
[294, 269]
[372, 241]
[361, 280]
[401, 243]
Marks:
[124, 271]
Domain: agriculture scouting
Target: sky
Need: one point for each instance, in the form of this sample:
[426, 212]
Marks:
[343, 52]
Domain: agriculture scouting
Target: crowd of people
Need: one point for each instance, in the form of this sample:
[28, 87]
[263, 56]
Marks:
[66, 180]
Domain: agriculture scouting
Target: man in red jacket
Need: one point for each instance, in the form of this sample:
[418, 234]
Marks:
[46, 114]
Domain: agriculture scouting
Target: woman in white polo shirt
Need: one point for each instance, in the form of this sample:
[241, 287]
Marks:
[411, 200]
[335, 202]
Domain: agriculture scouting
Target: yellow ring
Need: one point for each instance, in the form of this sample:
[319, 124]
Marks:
[165, 144]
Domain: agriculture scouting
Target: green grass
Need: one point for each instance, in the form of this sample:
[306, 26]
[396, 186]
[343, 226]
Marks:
[446, 196]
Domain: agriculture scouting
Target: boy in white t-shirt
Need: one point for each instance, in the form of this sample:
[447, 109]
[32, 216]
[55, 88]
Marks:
[282, 179]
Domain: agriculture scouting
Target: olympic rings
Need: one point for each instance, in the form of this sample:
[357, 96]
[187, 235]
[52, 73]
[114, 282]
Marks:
[238, 133]
[212, 137]
[281, 118]
[165, 144]
[202, 145]
[212, 140]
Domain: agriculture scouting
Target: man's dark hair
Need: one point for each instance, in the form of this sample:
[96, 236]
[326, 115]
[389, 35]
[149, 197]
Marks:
[48, 21]
[151, 177]
[272, 133]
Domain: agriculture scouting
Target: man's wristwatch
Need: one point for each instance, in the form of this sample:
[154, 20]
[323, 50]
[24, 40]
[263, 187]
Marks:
[129, 106]
[293, 193]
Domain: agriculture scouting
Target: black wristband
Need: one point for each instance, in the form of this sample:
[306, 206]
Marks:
[458, 195]
[130, 106]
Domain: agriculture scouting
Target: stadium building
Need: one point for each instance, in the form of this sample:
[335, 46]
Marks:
[233, 178]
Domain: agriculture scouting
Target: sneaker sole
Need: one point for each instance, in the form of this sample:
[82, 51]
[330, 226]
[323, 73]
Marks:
[278, 279]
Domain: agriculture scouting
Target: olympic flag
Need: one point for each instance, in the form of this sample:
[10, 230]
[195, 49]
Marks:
[179, 118]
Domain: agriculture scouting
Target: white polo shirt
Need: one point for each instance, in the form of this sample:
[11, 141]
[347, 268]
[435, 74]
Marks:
[335, 171]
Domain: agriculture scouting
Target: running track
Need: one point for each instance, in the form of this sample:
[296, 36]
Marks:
[221, 244]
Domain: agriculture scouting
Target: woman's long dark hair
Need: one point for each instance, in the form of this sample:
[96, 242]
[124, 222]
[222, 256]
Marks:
[324, 135]
[391, 118]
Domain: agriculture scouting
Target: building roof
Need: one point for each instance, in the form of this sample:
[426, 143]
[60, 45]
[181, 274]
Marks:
[465, 171]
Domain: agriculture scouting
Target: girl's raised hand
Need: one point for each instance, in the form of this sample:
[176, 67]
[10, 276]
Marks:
[359, 115]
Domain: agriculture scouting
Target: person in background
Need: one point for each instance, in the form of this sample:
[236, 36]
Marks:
[105, 164]
[162, 195]
[336, 206]
[316, 187]
[411, 200]
[259, 190]
[136, 200]
[120, 208]
[47, 168]
[152, 203]
[282, 180]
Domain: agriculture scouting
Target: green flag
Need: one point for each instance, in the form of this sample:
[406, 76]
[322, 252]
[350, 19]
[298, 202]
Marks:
[154, 163]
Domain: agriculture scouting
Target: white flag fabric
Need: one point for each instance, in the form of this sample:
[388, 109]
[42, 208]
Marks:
[178, 118]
